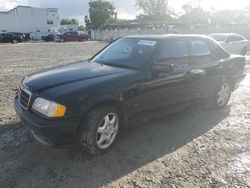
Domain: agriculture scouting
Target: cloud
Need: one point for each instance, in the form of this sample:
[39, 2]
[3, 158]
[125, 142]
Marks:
[72, 9]
[125, 9]
[7, 4]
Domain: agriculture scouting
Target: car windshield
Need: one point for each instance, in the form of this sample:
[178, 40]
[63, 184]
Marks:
[219, 38]
[130, 53]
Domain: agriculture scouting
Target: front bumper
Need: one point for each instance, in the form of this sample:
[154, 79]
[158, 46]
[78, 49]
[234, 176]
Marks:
[48, 131]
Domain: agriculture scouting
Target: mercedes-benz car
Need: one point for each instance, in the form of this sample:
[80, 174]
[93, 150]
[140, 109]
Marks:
[90, 101]
[233, 43]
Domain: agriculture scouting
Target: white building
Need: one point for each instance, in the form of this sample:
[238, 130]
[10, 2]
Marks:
[37, 21]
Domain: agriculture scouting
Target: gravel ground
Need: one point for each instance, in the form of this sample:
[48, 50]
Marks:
[196, 147]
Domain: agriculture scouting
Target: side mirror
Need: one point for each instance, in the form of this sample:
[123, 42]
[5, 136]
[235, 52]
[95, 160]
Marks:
[162, 68]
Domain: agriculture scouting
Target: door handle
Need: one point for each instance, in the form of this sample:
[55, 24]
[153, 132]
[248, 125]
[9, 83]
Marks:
[195, 73]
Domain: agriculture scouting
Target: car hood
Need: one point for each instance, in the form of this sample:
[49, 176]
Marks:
[67, 74]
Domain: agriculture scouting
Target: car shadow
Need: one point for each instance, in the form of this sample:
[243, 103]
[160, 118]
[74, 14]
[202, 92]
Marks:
[31, 164]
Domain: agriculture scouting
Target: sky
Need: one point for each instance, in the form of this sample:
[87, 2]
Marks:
[126, 8]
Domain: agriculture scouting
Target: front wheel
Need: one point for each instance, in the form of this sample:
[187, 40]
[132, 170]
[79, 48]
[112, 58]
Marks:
[222, 95]
[14, 41]
[100, 129]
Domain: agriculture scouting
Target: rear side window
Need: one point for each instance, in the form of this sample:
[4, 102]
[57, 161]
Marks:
[201, 52]
[217, 52]
[200, 48]
[174, 52]
[234, 38]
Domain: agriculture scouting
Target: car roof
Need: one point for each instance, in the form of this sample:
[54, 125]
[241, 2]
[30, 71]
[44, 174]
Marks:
[165, 36]
[225, 34]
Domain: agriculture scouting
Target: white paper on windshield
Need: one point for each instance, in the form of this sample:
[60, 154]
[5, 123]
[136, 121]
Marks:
[147, 42]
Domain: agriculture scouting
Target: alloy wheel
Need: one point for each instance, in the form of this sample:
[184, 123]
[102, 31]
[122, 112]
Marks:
[107, 131]
[223, 94]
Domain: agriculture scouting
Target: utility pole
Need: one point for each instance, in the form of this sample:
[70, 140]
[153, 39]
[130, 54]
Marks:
[199, 4]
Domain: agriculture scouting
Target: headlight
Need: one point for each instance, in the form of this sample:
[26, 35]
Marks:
[48, 108]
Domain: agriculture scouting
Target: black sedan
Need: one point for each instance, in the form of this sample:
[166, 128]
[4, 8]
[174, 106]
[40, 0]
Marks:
[90, 101]
[12, 38]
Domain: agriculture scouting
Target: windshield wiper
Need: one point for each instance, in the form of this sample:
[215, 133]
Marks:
[114, 64]
[119, 65]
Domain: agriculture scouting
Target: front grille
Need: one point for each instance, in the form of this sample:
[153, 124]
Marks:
[25, 97]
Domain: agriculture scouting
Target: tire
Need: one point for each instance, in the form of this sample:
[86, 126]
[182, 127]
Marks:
[222, 95]
[14, 41]
[82, 40]
[62, 40]
[244, 51]
[99, 131]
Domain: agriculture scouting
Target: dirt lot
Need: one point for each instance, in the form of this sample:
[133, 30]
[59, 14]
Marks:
[196, 147]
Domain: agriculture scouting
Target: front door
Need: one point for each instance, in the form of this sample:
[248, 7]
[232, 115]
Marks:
[164, 89]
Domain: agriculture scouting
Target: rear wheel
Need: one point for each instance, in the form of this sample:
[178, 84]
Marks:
[223, 94]
[62, 40]
[82, 40]
[100, 129]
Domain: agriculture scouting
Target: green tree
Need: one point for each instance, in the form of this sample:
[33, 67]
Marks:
[87, 23]
[154, 10]
[194, 15]
[101, 13]
[66, 21]
[232, 16]
[81, 28]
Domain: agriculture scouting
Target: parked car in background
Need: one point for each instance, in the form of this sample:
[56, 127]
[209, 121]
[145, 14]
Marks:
[72, 36]
[233, 43]
[49, 38]
[11, 38]
[22, 35]
[1, 38]
[90, 101]
[27, 37]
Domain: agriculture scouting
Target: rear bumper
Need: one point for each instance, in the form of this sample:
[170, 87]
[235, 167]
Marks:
[48, 131]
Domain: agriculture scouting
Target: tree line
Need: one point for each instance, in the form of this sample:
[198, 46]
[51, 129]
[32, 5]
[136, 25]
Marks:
[103, 12]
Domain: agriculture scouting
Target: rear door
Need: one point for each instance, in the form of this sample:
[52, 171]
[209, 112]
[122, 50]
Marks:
[209, 58]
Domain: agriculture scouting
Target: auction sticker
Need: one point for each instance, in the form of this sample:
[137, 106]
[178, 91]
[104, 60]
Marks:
[147, 42]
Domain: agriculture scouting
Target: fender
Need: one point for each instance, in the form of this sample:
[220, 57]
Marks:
[105, 99]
